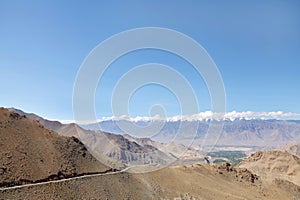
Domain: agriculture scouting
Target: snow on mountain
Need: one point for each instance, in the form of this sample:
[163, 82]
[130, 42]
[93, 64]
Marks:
[204, 116]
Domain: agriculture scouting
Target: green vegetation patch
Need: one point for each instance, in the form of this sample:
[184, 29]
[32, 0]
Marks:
[234, 157]
[217, 161]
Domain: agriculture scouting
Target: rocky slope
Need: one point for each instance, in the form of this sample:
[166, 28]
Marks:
[198, 181]
[293, 148]
[121, 150]
[29, 152]
[274, 165]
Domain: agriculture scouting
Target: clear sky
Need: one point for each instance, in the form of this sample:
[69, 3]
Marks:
[255, 44]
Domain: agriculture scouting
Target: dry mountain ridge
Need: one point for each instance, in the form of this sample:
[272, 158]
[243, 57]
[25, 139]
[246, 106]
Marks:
[29, 152]
[119, 151]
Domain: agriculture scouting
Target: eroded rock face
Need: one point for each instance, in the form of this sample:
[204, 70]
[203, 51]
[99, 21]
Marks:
[274, 165]
[240, 174]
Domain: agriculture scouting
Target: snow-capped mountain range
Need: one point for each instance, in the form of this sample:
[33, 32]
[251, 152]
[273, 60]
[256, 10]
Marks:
[202, 116]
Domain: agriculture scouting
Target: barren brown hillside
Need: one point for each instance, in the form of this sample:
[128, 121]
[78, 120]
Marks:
[198, 181]
[29, 152]
[274, 165]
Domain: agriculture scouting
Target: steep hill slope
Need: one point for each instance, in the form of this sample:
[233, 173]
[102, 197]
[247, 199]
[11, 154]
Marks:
[117, 151]
[123, 151]
[29, 152]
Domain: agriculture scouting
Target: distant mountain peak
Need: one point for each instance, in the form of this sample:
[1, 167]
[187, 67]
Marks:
[207, 116]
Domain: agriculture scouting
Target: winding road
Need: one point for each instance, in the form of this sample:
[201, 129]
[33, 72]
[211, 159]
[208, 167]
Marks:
[62, 180]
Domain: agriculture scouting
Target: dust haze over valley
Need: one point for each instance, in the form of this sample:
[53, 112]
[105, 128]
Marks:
[150, 100]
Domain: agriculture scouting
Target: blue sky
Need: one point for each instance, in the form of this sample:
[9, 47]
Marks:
[255, 45]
